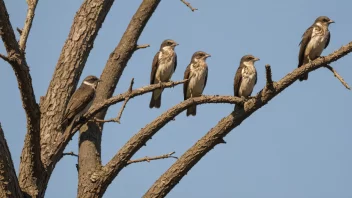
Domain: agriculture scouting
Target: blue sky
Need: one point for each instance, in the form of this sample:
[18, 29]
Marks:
[298, 145]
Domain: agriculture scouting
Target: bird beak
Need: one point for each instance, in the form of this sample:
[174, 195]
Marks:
[208, 55]
[331, 21]
[256, 59]
[175, 44]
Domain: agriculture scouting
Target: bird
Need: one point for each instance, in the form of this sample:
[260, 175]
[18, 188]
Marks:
[163, 66]
[80, 101]
[197, 75]
[246, 77]
[314, 40]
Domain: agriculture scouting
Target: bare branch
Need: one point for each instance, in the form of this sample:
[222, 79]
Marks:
[32, 5]
[116, 164]
[70, 154]
[19, 30]
[269, 80]
[148, 159]
[119, 98]
[5, 58]
[85, 27]
[142, 46]
[30, 158]
[190, 158]
[117, 119]
[9, 186]
[338, 76]
[189, 5]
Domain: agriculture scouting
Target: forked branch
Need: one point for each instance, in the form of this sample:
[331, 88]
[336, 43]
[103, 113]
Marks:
[117, 119]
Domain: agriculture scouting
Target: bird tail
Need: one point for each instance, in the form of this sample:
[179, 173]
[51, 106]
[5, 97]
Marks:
[155, 101]
[192, 110]
[303, 77]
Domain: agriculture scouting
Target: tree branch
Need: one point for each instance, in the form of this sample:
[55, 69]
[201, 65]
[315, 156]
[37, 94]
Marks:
[337, 75]
[142, 46]
[215, 136]
[31, 166]
[4, 58]
[148, 159]
[9, 186]
[269, 80]
[116, 164]
[107, 103]
[189, 5]
[32, 5]
[85, 27]
[117, 119]
[110, 77]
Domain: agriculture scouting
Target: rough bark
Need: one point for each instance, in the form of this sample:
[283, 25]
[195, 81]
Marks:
[31, 166]
[74, 54]
[215, 136]
[9, 186]
[90, 134]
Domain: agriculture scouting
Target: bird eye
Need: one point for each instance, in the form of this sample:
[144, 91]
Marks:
[170, 43]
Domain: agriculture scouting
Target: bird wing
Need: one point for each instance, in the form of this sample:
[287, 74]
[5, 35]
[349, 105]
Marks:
[206, 77]
[304, 42]
[185, 85]
[79, 100]
[237, 80]
[175, 66]
[328, 40]
[155, 65]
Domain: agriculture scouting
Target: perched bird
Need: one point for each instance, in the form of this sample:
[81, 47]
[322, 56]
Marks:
[197, 74]
[314, 40]
[246, 77]
[163, 66]
[80, 101]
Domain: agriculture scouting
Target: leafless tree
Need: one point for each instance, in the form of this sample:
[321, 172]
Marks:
[44, 143]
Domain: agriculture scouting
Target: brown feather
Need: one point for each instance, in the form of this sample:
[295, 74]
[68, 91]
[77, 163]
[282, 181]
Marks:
[185, 85]
[237, 80]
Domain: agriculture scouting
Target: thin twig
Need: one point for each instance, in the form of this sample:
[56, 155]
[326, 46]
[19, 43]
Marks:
[32, 4]
[338, 76]
[142, 46]
[117, 119]
[19, 30]
[148, 159]
[189, 5]
[70, 153]
[5, 58]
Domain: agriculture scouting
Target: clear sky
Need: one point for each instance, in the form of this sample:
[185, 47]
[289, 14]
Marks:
[298, 145]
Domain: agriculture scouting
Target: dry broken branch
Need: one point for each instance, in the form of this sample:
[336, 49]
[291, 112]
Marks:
[173, 175]
[142, 46]
[148, 159]
[32, 4]
[5, 58]
[189, 5]
[269, 80]
[337, 75]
